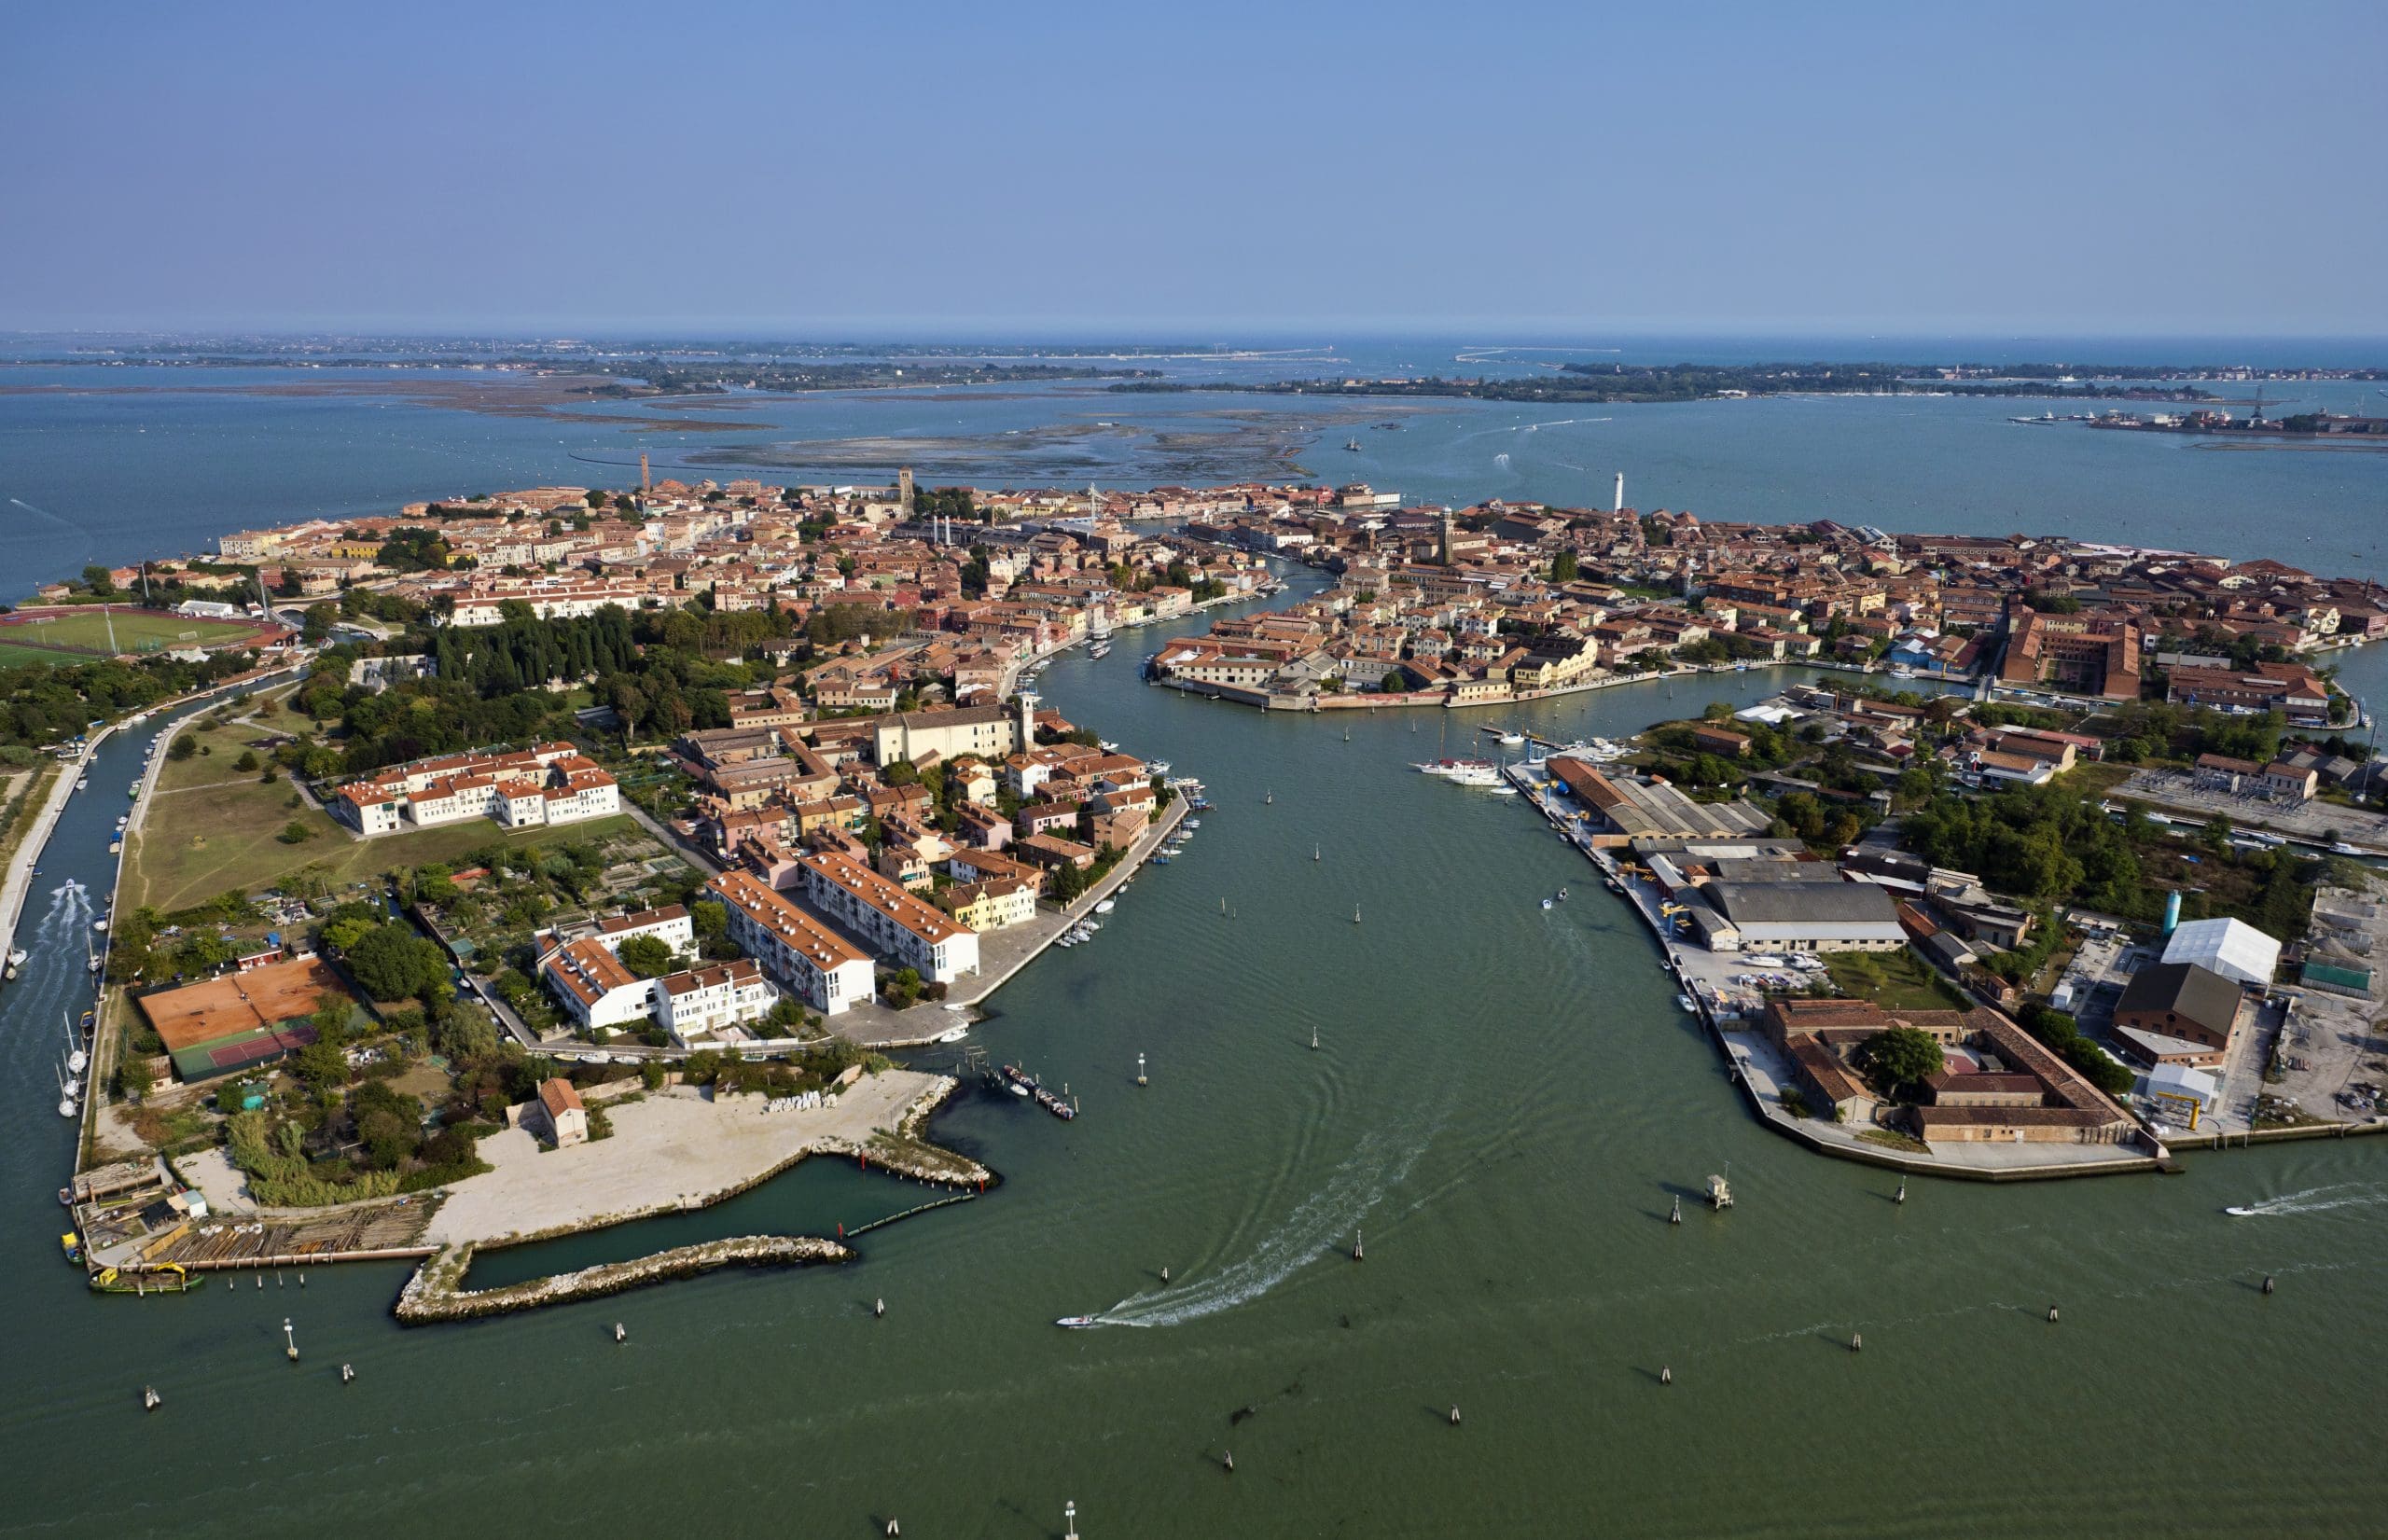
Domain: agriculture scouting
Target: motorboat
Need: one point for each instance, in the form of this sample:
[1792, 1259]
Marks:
[1078, 1322]
[1545, 903]
[1105, 907]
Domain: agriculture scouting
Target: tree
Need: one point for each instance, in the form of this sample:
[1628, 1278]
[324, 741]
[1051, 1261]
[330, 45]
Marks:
[321, 1065]
[647, 956]
[709, 917]
[182, 748]
[248, 762]
[295, 832]
[133, 1077]
[1896, 1057]
[97, 579]
[1563, 567]
[391, 963]
[900, 988]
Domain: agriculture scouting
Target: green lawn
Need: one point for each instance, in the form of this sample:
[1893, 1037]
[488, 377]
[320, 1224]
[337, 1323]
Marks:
[197, 843]
[226, 742]
[2094, 778]
[136, 630]
[1895, 980]
[15, 657]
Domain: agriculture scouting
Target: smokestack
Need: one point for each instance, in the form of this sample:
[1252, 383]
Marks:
[1619, 505]
[645, 485]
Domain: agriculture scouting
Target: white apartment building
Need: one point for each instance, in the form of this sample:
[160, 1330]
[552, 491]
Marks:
[904, 930]
[595, 990]
[814, 963]
[544, 783]
[699, 1005]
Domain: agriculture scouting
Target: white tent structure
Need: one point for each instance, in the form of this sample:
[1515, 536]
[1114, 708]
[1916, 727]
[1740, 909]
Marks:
[2185, 1094]
[2232, 948]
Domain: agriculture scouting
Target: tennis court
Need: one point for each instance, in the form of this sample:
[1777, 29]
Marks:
[235, 1003]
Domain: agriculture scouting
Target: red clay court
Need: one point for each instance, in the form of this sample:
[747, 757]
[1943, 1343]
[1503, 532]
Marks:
[238, 1018]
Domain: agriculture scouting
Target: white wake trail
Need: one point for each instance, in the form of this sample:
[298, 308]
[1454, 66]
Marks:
[1322, 1223]
[2312, 1201]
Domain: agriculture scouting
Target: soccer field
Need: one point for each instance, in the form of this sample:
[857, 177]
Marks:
[137, 630]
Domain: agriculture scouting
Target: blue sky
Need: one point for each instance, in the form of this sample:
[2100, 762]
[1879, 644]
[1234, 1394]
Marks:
[1196, 171]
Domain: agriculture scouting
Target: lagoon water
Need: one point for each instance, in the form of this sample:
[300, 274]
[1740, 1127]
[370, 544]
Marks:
[1505, 1100]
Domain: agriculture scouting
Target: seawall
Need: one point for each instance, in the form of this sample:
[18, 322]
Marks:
[434, 1293]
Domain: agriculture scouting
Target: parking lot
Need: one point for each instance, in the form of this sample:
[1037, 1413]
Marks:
[2318, 821]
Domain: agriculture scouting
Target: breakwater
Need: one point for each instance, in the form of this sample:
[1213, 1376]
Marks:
[435, 1293]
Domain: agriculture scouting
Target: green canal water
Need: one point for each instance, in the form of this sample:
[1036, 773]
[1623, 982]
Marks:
[1505, 1100]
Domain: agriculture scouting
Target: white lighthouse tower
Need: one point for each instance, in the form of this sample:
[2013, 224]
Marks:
[1618, 507]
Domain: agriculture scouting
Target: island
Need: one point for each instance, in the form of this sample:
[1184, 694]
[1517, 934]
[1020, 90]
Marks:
[524, 863]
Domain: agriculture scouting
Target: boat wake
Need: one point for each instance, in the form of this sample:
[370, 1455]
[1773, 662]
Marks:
[2312, 1201]
[1322, 1223]
[70, 909]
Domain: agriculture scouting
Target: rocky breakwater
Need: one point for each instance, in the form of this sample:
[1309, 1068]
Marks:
[902, 1151]
[436, 1291]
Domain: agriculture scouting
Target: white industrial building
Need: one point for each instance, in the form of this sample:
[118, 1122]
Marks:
[2232, 948]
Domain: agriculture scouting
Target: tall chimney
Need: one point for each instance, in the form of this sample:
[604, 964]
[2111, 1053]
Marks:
[1619, 505]
[644, 484]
